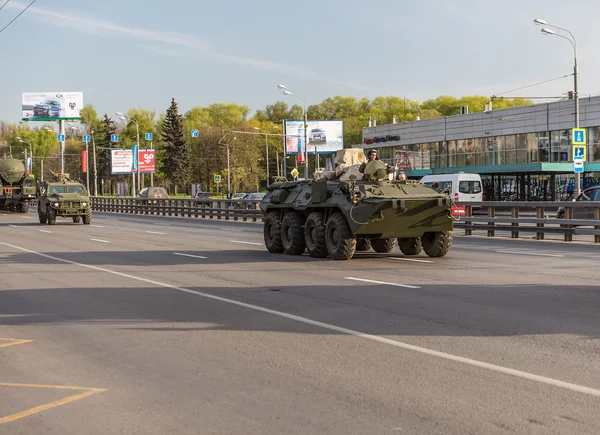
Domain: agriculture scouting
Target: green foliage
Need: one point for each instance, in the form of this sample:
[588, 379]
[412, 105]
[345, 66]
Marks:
[176, 151]
[106, 128]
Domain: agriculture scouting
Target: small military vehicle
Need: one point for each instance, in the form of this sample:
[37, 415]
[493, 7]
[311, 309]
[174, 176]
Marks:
[65, 198]
[336, 213]
[17, 188]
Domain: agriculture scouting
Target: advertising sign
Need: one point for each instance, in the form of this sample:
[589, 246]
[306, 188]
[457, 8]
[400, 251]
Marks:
[51, 106]
[325, 136]
[147, 161]
[407, 160]
[122, 162]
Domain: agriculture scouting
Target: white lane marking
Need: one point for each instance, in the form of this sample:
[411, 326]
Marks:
[14, 226]
[26, 217]
[100, 240]
[231, 229]
[162, 225]
[97, 226]
[410, 259]
[189, 255]
[380, 282]
[530, 253]
[447, 356]
[45, 231]
[155, 232]
[245, 243]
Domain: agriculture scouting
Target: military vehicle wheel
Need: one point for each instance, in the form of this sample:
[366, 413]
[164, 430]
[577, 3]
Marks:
[410, 246]
[272, 233]
[23, 207]
[42, 217]
[292, 233]
[314, 235]
[51, 216]
[76, 219]
[340, 241]
[363, 244]
[437, 244]
[383, 245]
[87, 217]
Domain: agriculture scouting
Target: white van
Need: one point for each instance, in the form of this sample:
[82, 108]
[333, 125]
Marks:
[463, 187]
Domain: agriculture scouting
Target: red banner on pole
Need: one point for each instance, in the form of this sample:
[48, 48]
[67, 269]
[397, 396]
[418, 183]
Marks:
[84, 162]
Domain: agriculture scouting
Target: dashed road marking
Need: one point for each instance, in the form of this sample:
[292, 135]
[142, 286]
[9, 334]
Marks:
[97, 226]
[330, 327]
[155, 232]
[245, 243]
[380, 282]
[529, 253]
[100, 240]
[189, 255]
[5, 342]
[25, 217]
[416, 260]
[45, 231]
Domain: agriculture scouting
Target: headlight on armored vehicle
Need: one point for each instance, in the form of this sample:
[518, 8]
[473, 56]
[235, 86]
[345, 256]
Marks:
[84, 204]
[56, 204]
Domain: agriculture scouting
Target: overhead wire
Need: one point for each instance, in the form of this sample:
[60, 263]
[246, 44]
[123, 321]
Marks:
[15, 18]
[5, 3]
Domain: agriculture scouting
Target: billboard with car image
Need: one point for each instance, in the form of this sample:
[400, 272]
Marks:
[51, 106]
[326, 137]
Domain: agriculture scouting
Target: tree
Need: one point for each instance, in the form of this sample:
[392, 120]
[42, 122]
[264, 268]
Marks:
[103, 145]
[176, 150]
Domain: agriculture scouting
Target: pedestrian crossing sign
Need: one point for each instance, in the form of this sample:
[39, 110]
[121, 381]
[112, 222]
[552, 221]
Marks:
[578, 136]
[579, 152]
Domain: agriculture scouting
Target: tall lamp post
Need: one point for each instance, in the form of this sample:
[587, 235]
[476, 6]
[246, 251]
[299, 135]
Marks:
[547, 31]
[137, 128]
[25, 141]
[288, 91]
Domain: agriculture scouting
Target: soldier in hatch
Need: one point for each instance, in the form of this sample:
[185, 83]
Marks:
[372, 156]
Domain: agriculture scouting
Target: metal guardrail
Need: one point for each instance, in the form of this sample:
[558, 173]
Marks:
[242, 210]
[537, 219]
[514, 217]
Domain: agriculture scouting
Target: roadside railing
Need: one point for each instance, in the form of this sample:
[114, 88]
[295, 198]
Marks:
[517, 218]
[531, 217]
[242, 210]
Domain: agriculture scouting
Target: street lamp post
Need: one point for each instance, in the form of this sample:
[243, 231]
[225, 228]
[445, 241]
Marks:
[137, 128]
[573, 42]
[287, 91]
[30, 150]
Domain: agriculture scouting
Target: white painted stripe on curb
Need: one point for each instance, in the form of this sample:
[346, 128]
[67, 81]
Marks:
[467, 361]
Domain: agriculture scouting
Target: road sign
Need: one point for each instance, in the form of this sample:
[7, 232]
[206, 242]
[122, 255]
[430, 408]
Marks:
[114, 138]
[146, 161]
[86, 138]
[294, 172]
[195, 133]
[217, 178]
[579, 152]
[149, 136]
[578, 165]
[578, 136]
[61, 137]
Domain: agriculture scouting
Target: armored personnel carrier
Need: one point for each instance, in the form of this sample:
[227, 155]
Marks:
[16, 188]
[339, 212]
[66, 198]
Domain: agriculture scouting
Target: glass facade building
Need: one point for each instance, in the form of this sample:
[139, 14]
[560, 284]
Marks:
[521, 153]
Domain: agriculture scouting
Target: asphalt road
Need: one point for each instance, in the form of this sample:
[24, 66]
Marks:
[144, 325]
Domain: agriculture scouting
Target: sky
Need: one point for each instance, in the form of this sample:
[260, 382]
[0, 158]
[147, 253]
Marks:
[141, 53]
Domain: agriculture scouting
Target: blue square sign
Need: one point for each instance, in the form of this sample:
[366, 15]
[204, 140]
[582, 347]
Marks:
[61, 137]
[578, 136]
[195, 133]
[86, 138]
[114, 138]
[148, 136]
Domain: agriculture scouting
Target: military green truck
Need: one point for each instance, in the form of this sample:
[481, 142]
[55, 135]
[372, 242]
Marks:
[65, 198]
[356, 208]
[17, 188]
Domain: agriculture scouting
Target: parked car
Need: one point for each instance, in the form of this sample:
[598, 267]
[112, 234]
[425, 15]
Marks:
[256, 198]
[237, 196]
[317, 135]
[47, 109]
[203, 195]
[153, 195]
[589, 194]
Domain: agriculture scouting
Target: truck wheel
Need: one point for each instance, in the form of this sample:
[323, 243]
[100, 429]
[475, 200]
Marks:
[410, 246]
[437, 244]
[314, 235]
[363, 244]
[42, 217]
[340, 241]
[51, 216]
[292, 233]
[23, 207]
[272, 233]
[383, 245]
[76, 219]
[87, 217]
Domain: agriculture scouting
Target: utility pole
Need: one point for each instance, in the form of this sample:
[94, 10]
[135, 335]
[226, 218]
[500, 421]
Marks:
[95, 167]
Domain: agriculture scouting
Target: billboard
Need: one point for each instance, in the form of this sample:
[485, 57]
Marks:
[122, 162]
[51, 106]
[325, 136]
